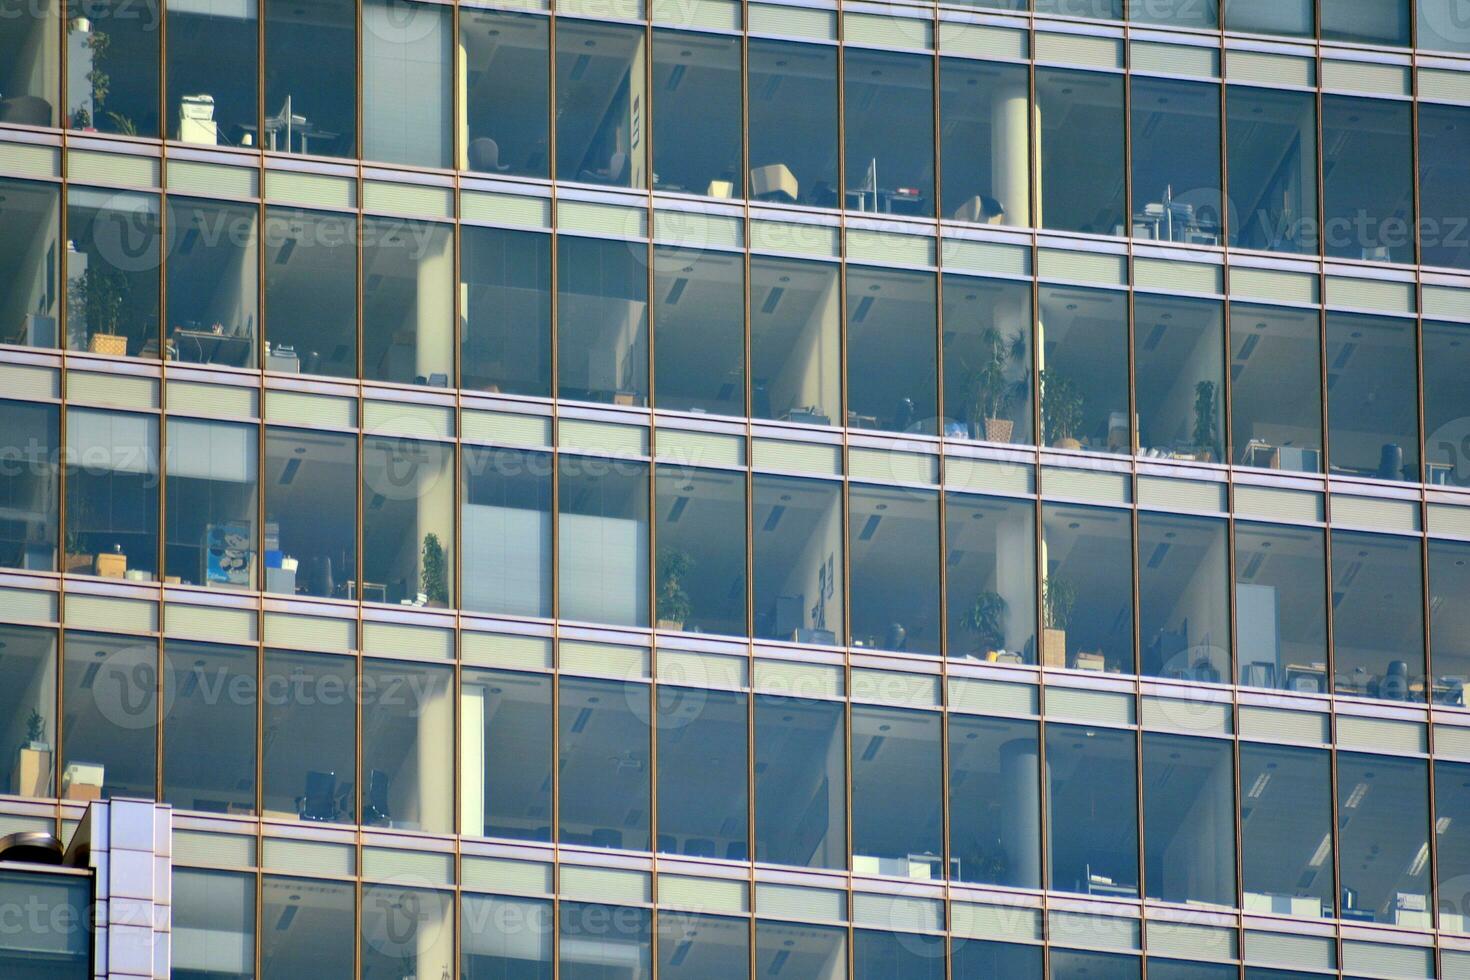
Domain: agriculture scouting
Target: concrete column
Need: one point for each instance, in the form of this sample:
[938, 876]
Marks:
[1010, 116]
[1020, 812]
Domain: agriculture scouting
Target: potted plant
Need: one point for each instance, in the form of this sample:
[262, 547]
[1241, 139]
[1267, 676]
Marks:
[1061, 410]
[993, 393]
[1205, 421]
[95, 299]
[673, 602]
[77, 561]
[986, 618]
[435, 573]
[1058, 596]
[33, 759]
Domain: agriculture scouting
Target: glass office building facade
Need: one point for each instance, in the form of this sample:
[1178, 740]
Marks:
[719, 489]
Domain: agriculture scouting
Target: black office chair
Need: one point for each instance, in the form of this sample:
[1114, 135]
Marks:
[375, 805]
[319, 802]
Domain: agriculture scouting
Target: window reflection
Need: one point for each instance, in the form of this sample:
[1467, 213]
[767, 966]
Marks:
[1294, 18]
[1372, 395]
[1367, 179]
[407, 302]
[602, 540]
[1366, 21]
[1383, 820]
[601, 104]
[602, 320]
[30, 257]
[1449, 620]
[696, 113]
[209, 727]
[702, 947]
[892, 381]
[505, 520]
[409, 930]
[1093, 829]
[408, 555]
[897, 803]
[1188, 820]
[310, 78]
[212, 926]
[311, 292]
[112, 489]
[213, 277]
[30, 81]
[800, 783]
[1443, 141]
[310, 737]
[28, 701]
[1286, 831]
[505, 289]
[30, 505]
[505, 752]
[307, 928]
[877, 955]
[1452, 844]
[598, 940]
[604, 745]
[990, 547]
[503, 937]
[213, 53]
[108, 742]
[213, 492]
[1081, 151]
[894, 550]
[815, 952]
[1176, 160]
[793, 122]
[407, 734]
[406, 101]
[702, 766]
[1271, 146]
[987, 359]
[505, 92]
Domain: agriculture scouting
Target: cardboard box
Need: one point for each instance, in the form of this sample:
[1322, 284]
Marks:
[112, 565]
[1053, 647]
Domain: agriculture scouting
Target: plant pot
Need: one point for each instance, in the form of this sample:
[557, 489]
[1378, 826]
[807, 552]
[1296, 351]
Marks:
[108, 343]
[79, 564]
[999, 430]
[1053, 647]
[1067, 443]
[33, 770]
[676, 625]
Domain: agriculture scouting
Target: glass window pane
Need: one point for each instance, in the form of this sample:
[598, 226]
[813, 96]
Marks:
[1275, 388]
[1281, 606]
[66, 953]
[810, 952]
[792, 126]
[702, 947]
[505, 788]
[795, 341]
[209, 727]
[887, 93]
[600, 104]
[1101, 9]
[112, 494]
[212, 926]
[1383, 822]
[310, 737]
[1189, 819]
[1446, 404]
[1159, 969]
[1087, 588]
[310, 77]
[699, 331]
[307, 928]
[896, 796]
[1176, 160]
[892, 383]
[1184, 597]
[213, 495]
[602, 320]
[408, 525]
[505, 518]
[1286, 830]
[1444, 25]
[1199, 14]
[1271, 146]
[213, 53]
[506, 93]
[702, 770]
[604, 746]
[1372, 396]
[800, 783]
[1452, 844]
[407, 743]
[317, 543]
[994, 801]
[701, 550]
[987, 359]
[1092, 843]
[1377, 618]
[505, 283]
[895, 569]
[696, 113]
[110, 689]
[30, 488]
[1083, 341]
[798, 560]
[1295, 18]
[1366, 21]
[1368, 178]
[973, 959]
[28, 701]
[409, 931]
[883, 955]
[112, 272]
[408, 302]
[112, 68]
[504, 938]
[1179, 375]
[984, 111]
[31, 76]
[311, 292]
[1081, 152]
[598, 941]
[1444, 141]
[1449, 619]
[29, 257]
[991, 578]
[1074, 964]
[213, 282]
[406, 67]
[602, 540]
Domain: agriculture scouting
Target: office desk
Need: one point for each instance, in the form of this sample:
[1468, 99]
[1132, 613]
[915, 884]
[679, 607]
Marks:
[206, 347]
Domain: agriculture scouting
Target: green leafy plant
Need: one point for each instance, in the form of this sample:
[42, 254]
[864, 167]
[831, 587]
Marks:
[673, 603]
[435, 573]
[986, 618]
[35, 728]
[97, 298]
[1058, 596]
[1206, 419]
[1061, 407]
[992, 391]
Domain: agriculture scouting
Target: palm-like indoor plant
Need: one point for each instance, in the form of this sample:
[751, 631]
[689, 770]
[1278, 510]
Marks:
[673, 602]
[33, 759]
[993, 391]
[435, 571]
[1058, 596]
[986, 618]
[1061, 409]
[1206, 421]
